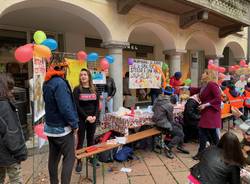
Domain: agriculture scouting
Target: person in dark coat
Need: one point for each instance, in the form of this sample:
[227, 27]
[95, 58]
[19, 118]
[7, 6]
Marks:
[220, 164]
[164, 120]
[12, 144]
[191, 118]
[210, 109]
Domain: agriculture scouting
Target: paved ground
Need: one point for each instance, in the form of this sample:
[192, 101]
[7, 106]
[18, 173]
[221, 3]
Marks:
[150, 168]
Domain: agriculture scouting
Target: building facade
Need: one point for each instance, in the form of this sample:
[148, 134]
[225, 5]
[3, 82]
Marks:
[183, 33]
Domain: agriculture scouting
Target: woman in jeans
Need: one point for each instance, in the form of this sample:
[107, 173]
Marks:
[87, 102]
[210, 108]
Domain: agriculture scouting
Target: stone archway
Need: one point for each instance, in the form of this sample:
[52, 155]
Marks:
[199, 48]
[72, 7]
[167, 39]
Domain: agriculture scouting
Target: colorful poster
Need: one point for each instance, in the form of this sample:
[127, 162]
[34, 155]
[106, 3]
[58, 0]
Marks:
[143, 74]
[39, 72]
[74, 70]
[98, 77]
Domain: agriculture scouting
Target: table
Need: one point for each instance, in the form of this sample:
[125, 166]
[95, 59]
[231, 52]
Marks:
[122, 124]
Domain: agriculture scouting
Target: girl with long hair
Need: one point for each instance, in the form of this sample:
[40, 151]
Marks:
[12, 144]
[220, 164]
[210, 108]
[87, 102]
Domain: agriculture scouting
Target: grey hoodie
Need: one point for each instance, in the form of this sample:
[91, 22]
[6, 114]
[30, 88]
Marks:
[163, 112]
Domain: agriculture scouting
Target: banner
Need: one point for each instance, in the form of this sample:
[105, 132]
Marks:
[142, 74]
[74, 70]
[98, 77]
[39, 72]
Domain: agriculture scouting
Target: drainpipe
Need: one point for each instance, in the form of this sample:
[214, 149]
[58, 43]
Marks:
[248, 44]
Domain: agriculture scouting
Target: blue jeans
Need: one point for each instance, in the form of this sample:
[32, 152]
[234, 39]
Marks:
[106, 104]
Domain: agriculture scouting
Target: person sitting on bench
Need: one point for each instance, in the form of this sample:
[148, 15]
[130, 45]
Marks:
[164, 119]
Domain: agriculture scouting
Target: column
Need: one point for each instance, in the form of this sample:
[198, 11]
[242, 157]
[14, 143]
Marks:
[175, 59]
[115, 49]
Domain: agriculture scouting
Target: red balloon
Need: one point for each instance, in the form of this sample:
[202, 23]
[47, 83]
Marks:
[24, 53]
[104, 64]
[81, 55]
[242, 62]
[245, 66]
[236, 67]
[231, 68]
[221, 69]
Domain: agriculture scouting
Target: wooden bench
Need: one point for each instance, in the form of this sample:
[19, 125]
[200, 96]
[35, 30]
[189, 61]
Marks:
[81, 153]
[226, 117]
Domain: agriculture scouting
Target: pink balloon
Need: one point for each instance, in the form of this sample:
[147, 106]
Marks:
[221, 69]
[24, 53]
[104, 64]
[242, 62]
[210, 61]
[245, 66]
[81, 55]
[209, 66]
[231, 68]
[39, 131]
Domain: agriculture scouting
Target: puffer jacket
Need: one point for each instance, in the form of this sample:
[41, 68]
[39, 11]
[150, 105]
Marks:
[163, 112]
[191, 112]
[213, 170]
[12, 143]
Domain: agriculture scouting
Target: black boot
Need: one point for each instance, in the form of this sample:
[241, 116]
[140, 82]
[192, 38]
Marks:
[182, 150]
[78, 166]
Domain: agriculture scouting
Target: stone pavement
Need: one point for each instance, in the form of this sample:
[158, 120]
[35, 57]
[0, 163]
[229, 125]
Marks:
[149, 168]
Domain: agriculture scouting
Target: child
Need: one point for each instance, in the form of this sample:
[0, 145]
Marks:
[164, 119]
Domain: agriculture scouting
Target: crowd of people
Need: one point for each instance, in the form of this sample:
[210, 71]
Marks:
[71, 114]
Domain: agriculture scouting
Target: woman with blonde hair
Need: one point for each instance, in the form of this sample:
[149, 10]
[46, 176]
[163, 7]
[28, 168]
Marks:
[210, 108]
[87, 102]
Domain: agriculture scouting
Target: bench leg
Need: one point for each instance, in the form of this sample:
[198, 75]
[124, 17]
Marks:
[94, 169]
[87, 167]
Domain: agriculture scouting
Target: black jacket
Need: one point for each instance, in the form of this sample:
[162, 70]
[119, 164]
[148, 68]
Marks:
[213, 170]
[110, 86]
[191, 112]
[12, 143]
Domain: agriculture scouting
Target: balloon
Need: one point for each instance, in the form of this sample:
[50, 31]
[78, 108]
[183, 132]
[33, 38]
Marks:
[92, 57]
[24, 53]
[39, 131]
[104, 64]
[210, 61]
[231, 68]
[81, 55]
[221, 69]
[51, 43]
[42, 51]
[245, 66]
[164, 66]
[212, 67]
[39, 37]
[130, 61]
[242, 62]
[237, 67]
[110, 59]
[187, 82]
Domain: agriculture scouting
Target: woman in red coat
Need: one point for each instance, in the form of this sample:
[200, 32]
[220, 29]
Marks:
[210, 97]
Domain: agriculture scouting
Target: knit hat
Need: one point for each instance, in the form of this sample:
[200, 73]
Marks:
[177, 75]
[168, 90]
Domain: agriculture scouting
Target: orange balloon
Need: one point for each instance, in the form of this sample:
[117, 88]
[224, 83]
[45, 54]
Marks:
[42, 51]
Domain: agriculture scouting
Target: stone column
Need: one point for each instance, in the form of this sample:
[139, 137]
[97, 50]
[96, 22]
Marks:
[115, 49]
[175, 60]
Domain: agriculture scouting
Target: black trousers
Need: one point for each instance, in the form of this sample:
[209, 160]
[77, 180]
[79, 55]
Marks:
[246, 111]
[61, 146]
[177, 136]
[207, 134]
[85, 126]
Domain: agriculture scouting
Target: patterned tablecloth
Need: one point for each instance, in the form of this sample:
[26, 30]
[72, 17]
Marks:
[121, 124]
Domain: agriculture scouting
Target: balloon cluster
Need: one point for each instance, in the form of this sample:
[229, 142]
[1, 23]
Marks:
[237, 67]
[93, 57]
[41, 48]
[212, 66]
